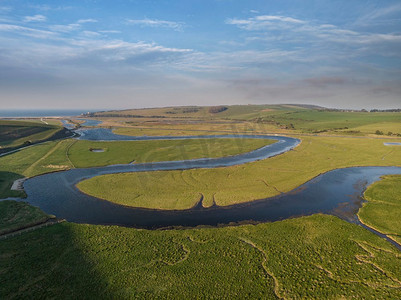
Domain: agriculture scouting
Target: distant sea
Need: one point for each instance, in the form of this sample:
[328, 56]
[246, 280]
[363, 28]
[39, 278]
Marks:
[15, 113]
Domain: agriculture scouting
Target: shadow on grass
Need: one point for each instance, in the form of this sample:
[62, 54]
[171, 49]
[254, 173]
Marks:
[315, 257]
[51, 264]
[6, 181]
[73, 261]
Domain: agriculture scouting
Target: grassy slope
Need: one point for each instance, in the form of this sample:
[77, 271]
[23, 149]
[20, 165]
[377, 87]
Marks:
[65, 154]
[383, 209]
[225, 186]
[16, 133]
[334, 260]
[313, 120]
[16, 215]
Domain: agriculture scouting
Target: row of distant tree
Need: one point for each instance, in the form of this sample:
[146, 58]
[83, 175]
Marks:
[120, 116]
[379, 132]
[362, 110]
[386, 110]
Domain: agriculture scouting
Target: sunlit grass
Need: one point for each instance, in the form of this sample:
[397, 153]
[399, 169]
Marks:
[243, 183]
[383, 209]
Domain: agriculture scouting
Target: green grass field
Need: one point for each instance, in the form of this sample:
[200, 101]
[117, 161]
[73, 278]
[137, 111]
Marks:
[162, 150]
[66, 154]
[383, 209]
[17, 215]
[316, 257]
[224, 186]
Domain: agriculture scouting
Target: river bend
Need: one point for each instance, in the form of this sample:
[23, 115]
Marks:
[337, 192]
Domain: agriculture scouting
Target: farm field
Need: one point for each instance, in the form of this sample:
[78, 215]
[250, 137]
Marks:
[243, 183]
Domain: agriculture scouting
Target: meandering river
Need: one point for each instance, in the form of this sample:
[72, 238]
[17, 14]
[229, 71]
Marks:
[337, 192]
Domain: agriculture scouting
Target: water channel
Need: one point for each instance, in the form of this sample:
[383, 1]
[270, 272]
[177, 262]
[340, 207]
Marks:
[338, 192]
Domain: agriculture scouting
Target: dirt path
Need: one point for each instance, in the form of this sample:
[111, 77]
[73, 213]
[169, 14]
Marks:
[67, 154]
[31, 167]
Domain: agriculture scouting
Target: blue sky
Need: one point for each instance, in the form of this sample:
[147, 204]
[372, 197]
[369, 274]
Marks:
[128, 54]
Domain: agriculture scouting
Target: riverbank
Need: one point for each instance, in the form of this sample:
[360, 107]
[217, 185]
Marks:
[382, 209]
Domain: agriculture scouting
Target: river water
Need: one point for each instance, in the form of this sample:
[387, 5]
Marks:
[337, 192]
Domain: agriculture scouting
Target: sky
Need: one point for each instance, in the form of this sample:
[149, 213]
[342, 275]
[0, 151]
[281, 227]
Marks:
[147, 53]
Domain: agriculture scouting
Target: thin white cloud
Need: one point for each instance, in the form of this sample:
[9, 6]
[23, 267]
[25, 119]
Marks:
[71, 27]
[300, 31]
[45, 7]
[279, 18]
[82, 21]
[35, 18]
[178, 26]
[65, 28]
[90, 34]
[35, 33]
[5, 8]
[264, 22]
[85, 50]
[109, 31]
[383, 12]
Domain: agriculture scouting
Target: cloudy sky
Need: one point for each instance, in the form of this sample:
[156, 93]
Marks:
[144, 53]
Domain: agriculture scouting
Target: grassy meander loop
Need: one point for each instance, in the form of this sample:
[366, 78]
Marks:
[243, 183]
[159, 150]
[316, 257]
[382, 211]
[66, 154]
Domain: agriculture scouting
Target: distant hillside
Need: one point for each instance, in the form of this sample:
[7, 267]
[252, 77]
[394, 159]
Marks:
[220, 111]
[301, 118]
[14, 134]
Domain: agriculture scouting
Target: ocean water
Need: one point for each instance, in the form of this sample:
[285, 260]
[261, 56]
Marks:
[15, 113]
